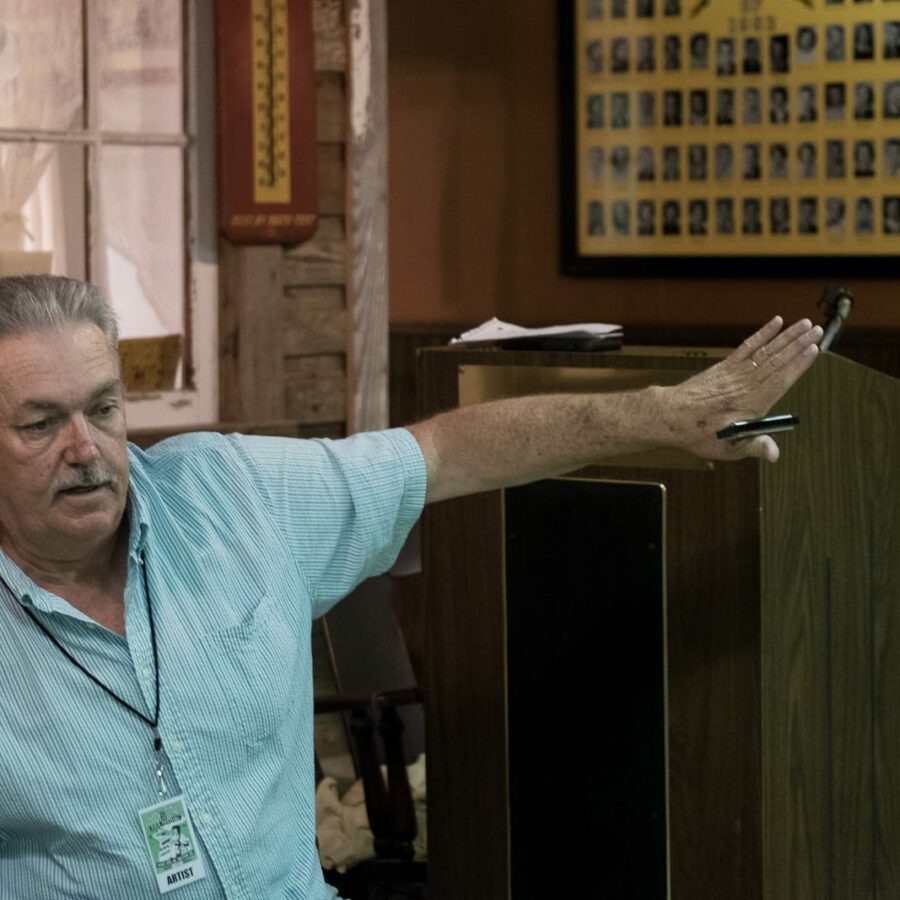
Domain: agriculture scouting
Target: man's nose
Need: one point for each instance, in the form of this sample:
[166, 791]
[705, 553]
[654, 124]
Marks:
[80, 446]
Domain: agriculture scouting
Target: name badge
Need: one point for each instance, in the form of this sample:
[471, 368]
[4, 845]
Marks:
[172, 844]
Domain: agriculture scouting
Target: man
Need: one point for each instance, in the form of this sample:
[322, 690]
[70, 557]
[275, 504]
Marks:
[697, 162]
[646, 217]
[864, 219]
[725, 107]
[863, 41]
[699, 49]
[697, 217]
[671, 163]
[724, 215]
[698, 103]
[834, 100]
[779, 215]
[806, 44]
[752, 106]
[834, 159]
[806, 103]
[808, 215]
[778, 105]
[751, 168]
[892, 157]
[156, 607]
[779, 56]
[864, 159]
[752, 56]
[646, 164]
[806, 159]
[646, 54]
[725, 57]
[864, 100]
[724, 161]
[778, 160]
[672, 52]
[671, 108]
[671, 214]
[834, 43]
[752, 216]
[835, 213]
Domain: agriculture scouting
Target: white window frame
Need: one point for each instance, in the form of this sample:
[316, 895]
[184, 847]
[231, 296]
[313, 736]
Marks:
[198, 402]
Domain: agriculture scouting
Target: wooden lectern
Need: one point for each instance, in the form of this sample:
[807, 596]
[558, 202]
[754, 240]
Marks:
[664, 677]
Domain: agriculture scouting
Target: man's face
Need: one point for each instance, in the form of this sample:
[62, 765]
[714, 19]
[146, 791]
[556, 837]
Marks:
[63, 455]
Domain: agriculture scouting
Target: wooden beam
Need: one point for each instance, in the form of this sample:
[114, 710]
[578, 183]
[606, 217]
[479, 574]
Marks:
[367, 288]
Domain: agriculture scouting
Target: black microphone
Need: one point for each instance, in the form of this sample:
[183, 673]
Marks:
[838, 302]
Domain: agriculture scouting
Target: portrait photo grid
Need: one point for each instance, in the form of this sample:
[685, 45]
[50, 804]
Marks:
[705, 130]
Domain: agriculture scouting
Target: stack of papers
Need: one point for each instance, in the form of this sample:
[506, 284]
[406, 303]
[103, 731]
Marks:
[590, 336]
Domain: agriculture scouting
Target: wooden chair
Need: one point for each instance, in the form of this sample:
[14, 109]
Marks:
[378, 697]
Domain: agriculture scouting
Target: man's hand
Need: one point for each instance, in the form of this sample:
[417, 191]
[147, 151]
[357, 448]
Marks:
[744, 385]
[508, 442]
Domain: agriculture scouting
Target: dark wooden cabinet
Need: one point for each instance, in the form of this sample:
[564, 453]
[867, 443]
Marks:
[770, 725]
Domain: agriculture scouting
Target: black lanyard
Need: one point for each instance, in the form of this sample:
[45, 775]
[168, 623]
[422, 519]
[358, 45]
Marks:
[154, 722]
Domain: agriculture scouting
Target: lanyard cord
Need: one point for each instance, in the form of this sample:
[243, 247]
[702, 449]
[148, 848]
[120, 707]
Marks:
[154, 722]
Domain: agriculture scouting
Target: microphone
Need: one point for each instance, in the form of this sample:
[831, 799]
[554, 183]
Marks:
[838, 302]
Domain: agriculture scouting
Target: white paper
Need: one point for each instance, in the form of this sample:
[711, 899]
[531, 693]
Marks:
[495, 330]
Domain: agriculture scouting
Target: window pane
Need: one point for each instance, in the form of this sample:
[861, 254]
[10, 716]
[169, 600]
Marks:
[139, 66]
[40, 64]
[138, 249]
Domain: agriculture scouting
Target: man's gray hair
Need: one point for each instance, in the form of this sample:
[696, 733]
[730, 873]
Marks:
[29, 302]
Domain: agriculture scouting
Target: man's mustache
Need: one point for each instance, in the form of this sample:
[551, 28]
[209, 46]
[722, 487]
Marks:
[88, 475]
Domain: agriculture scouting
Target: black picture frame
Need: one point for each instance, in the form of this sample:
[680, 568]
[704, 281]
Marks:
[799, 247]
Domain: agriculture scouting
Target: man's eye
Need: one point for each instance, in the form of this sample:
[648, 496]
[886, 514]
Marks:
[106, 410]
[38, 427]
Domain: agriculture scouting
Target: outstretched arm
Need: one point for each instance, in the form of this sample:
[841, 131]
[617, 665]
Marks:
[508, 442]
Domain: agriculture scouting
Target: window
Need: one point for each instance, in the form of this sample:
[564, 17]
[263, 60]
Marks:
[99, 103]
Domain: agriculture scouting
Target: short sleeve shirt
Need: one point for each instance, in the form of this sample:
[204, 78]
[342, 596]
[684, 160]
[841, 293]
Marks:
[241, 542]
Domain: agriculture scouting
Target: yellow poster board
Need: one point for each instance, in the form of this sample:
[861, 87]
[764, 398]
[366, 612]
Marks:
[723, 128]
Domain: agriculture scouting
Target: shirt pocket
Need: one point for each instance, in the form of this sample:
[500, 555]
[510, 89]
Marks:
[255, 666]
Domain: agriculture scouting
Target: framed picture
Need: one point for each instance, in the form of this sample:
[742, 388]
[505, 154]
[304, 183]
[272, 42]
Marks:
[730, 136]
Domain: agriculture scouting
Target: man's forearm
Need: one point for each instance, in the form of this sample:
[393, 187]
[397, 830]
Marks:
[507, 442]
[515, 441]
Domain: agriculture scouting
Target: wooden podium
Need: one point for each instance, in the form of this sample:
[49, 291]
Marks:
[664, 677]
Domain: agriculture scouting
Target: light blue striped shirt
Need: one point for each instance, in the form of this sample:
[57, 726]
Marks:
[245, 541]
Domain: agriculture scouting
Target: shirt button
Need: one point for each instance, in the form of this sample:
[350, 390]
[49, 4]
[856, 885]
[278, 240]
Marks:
[178, 746]
[146, 672]
[205, 817]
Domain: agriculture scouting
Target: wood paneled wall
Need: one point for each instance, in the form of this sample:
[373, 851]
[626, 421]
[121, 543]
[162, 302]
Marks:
[297, 322]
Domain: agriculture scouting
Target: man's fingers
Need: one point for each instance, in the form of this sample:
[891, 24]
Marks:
[783, 342]
[758, 339]
[795, 356]
[762, 447]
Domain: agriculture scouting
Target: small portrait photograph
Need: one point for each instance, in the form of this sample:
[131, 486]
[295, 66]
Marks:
[835, 161]
[596, 159]
[699, 50]
[596, 220]
[779, 215]
[779, 53]
[892, 157]
[725, 57]
[892, 39]
[725, 106]
[778, 160]
[723, 162]
[644, 9]
[891, 103]
[594, 9]
[645, 162]
[835, 214]
[890, 215]
[834, 43]
[751, 161]
[863, 41]
[778, 105]
[646, 101]
[619, 56]
[752, 56]
[621, 217]
[671, 163]
[672, 52]
[618, 8]
[808, 215]
[752, 106]
[806, 103]
[806, 44]
[671, 107]
[864, 216]
[697, 162]
[595, 106]
[671, 217]
[594, 52]
[806, 160]
[646, 217]
[671, 7]
[698, 106]
[646, 54]
[835, 100]
[619, 110]
[751, 216]
[864, 100]
[620, 162]
[864, 159]
[698, 217]
[834, 2]
[724, 215]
